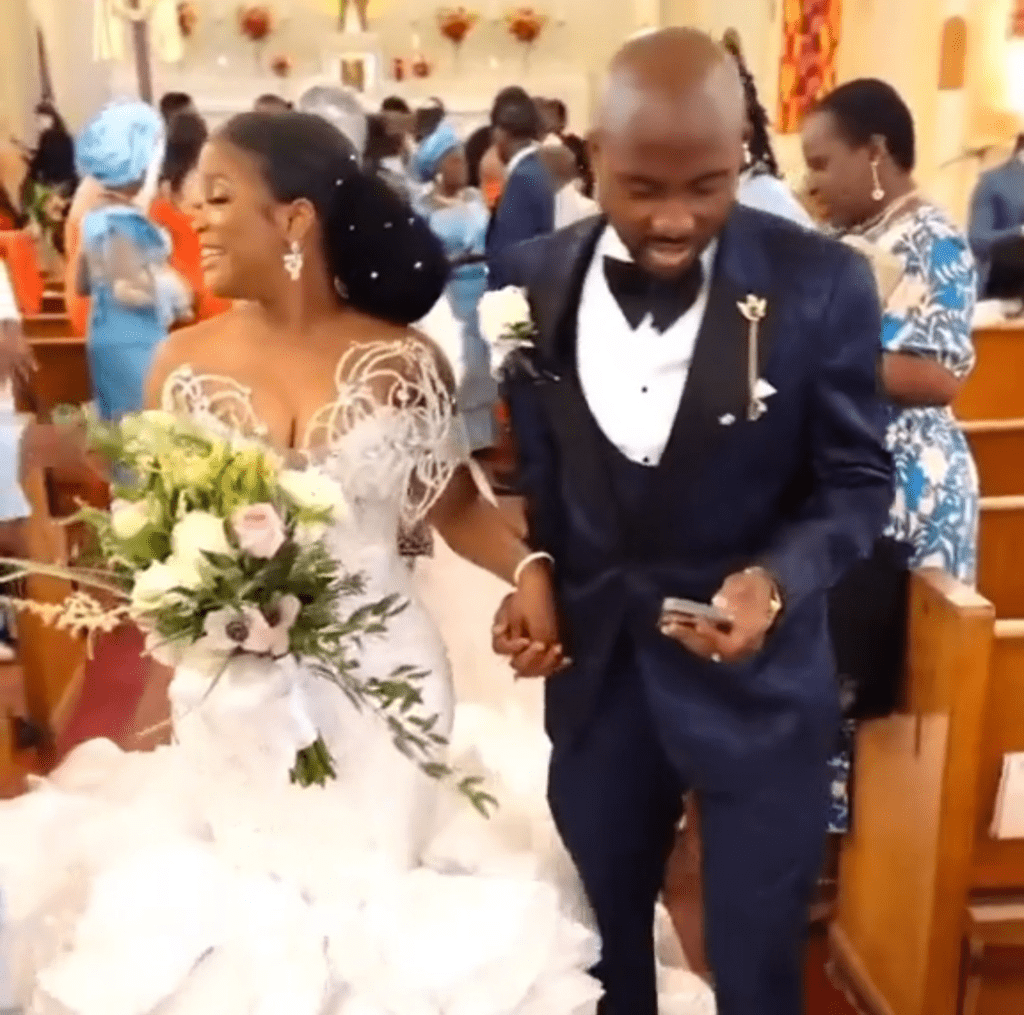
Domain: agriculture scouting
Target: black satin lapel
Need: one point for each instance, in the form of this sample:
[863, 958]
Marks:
[716, 397]
[555, 296]
[555, 302]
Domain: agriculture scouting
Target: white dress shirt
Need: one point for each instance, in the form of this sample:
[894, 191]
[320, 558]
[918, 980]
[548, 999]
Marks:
[633, 379]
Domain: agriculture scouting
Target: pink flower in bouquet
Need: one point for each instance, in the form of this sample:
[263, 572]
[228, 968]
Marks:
[259, 530]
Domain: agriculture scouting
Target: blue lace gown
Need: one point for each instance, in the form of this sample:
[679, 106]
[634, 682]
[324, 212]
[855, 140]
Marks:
[935, 508]
[119, 244]
[462, 228]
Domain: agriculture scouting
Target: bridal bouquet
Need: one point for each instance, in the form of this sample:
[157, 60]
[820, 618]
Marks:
[213, 547]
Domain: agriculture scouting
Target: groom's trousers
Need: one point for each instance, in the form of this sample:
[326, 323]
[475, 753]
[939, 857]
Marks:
[617, 801]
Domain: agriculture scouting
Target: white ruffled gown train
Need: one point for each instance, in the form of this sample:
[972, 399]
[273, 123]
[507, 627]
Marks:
[197, 879]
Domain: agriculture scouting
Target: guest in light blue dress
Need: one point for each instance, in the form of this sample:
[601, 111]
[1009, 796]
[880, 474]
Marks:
[123, 260]
[458, 217]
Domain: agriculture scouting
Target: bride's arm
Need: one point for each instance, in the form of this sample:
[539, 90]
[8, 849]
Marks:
[476, 529]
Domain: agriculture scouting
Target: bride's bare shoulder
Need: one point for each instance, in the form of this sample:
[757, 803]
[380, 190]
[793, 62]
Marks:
[187, 345]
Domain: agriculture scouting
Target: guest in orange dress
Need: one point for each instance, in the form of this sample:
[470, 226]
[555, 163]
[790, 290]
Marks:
[179, 191]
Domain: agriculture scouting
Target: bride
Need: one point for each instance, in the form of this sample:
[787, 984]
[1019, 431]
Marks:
[195, 878]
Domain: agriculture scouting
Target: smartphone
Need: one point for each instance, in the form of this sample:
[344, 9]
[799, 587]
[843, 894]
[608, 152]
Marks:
[688, 609]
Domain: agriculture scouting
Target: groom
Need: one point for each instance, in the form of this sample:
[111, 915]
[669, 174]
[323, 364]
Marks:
[697, 419]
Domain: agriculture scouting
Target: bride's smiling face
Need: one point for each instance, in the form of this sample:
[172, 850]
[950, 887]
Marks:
[239, 224]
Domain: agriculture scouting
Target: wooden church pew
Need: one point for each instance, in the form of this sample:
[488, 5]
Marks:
[998, 449]
[1001, 554]
[906, 868]
[994, 390]
[53, 662]
[62, 377]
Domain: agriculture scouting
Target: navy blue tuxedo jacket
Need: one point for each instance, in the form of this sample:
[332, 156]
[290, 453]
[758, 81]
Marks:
[803, 491]
[526, 208]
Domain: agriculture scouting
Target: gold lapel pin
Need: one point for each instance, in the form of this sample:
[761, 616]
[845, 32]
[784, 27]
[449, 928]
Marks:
[753, 308]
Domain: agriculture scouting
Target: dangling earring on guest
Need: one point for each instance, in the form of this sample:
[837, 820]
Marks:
[293, 261]
[748, 158]
[878, 193]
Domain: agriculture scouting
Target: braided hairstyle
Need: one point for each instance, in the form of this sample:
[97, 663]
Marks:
[762, 155]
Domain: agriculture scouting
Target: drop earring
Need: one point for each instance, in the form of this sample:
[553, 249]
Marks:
[747, 157]
[878, 193]
[293, 261]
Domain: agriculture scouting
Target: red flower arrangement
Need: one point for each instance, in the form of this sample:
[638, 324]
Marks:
[281, 65]
[455, 23]
[188, 19]
[525, 25]
[255, 22]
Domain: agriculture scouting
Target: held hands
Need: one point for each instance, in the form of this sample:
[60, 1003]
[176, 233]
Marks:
[751, 600]
[526, 626]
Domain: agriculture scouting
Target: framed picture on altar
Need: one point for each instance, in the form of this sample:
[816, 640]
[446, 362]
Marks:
[359, 71]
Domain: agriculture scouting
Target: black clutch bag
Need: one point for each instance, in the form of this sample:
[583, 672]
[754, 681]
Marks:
[867, 613]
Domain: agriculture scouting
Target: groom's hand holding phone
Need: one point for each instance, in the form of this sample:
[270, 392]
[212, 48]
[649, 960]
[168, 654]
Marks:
[734, 627]
[526, 625]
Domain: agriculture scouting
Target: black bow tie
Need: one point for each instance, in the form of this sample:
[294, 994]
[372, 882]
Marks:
[640, 294]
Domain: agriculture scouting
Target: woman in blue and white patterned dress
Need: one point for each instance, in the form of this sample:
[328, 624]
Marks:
[859, 147]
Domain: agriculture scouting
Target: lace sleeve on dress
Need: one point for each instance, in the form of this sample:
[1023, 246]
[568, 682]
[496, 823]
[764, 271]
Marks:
[394, 424]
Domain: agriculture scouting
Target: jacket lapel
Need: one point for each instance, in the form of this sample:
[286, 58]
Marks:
[716, 396]
[555, 299]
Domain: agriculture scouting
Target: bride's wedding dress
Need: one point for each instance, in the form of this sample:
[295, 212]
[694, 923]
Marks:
[197, 879]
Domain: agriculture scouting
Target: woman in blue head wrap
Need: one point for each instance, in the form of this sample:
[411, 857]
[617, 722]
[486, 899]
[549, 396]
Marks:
[123, 262]
[458, 217]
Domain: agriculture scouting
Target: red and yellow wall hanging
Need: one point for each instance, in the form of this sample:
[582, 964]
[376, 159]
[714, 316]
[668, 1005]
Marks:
[807, 70]
[1017, 20]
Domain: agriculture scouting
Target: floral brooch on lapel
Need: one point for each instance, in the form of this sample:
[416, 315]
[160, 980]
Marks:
[507, 327]
[754, 309]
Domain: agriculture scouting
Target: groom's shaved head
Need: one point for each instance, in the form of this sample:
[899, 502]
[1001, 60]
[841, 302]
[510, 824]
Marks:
[668, 145]
[677, 70]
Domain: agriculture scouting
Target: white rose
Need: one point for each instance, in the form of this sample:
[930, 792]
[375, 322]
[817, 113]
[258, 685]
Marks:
[154, 587]
[128, 518]
[501, 310]
[312, 490]
[308, 533]
[197, 533]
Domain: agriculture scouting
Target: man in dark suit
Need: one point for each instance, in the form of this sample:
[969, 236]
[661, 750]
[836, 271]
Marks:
[527, 205]
[697, 418]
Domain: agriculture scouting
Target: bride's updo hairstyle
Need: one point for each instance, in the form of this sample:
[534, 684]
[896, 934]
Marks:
[384, 259]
